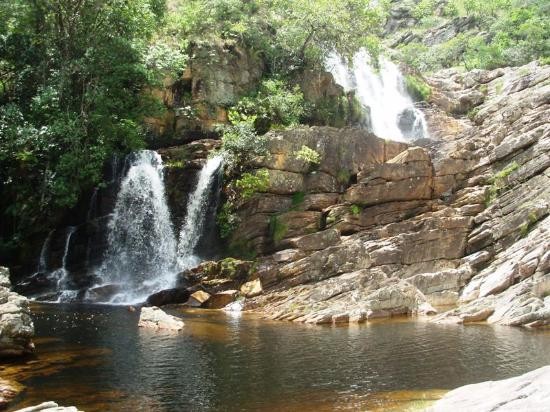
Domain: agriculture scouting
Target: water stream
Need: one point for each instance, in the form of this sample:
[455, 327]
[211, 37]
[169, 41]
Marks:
[382, 93]
[61, 275]
[197, 207]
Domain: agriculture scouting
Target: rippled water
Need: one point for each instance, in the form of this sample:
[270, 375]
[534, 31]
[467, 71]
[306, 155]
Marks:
[102, 361]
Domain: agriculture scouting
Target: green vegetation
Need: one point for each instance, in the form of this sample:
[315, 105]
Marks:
[227, 220]
[275, 104]
[72, 76]
[308, 155]
[241, 144]
[526, 227]
[503, 33]
[277, 229]
[355, 210]
[297, 199]
[499, 182]
[251, 183]
[417, 88]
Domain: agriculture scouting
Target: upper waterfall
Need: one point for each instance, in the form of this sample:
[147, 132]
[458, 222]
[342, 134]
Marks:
[382, 92]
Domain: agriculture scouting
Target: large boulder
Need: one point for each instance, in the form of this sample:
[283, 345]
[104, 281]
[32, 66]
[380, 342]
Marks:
[528, 392]
[168, 297]
[155, 318]
[16, 326]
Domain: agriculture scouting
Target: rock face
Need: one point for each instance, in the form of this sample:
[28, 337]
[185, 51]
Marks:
[16, 327]
[381, 228]
[155, 318]
[529, 392]
[49, 407]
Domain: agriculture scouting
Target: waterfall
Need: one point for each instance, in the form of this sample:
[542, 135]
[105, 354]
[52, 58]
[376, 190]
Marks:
[61, 275]
[43, 259]
[197, 208]
[391, 110]
[141, 253]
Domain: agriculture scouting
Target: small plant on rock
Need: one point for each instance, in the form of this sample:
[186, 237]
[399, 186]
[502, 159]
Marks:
[309, 156]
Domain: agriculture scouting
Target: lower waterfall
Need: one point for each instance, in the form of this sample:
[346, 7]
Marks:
[141, 253]
[197, 207]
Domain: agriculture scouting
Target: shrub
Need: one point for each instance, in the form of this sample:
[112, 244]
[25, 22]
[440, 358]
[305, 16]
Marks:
[308, 155]
[227, 220]
[417, 88]
[241, 144]
[355, 210]
[275, 103]
[499, 181]
[251, 183]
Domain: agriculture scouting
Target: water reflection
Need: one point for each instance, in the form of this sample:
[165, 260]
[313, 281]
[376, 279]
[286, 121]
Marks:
[222, 362]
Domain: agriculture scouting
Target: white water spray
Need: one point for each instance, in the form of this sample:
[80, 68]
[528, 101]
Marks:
[197, 207]
[141, 252]
[61, 275]
[391, 110]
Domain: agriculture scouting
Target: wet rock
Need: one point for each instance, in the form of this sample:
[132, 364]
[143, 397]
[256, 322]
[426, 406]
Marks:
[16, 326]
[221, 299]
[103, 293]
[528, 392]
[8, 391]
[155, 318]
[49, 407]
[168, 297]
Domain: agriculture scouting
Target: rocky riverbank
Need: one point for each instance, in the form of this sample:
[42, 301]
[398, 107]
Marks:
[528, 392]
[381, 228]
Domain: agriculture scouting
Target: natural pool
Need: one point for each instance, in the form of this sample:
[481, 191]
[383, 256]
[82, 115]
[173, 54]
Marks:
[96, 358]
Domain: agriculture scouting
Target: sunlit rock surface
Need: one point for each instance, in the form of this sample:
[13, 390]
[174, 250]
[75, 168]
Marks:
[16, 327]
[528, 392]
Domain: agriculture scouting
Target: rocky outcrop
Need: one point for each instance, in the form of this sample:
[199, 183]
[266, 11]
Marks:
[292, 205]
[155, 318]
[49, 407]
[528, 392]
[461, 220]
[16, 326]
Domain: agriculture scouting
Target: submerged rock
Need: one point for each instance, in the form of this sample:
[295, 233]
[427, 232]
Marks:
[8, 391]
[16, 327]
[528, 392]
[155, 318]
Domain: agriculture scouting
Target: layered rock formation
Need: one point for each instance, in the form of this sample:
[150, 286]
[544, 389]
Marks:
[379, 228]
[16, 327]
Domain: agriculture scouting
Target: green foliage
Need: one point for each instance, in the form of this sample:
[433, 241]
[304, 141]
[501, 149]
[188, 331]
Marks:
[355, 210]
[277, 229]
[227, 220]
[507, 33]
[337, 111]
[297, 199]
[251, 183]
[417, 88]
[343, 176]
[308, 155]
[72, 77]
[499, 182]
[287, 34]
[526, 227]
[424, 8]
[275, 103]
[240, 145]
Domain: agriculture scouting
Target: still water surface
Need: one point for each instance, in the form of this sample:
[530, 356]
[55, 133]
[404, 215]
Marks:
[95, 357]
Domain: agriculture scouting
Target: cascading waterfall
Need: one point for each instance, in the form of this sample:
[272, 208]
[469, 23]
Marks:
[391, 110]
[61, 275]
[197, 207]
[43, 259]
[141, 254]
